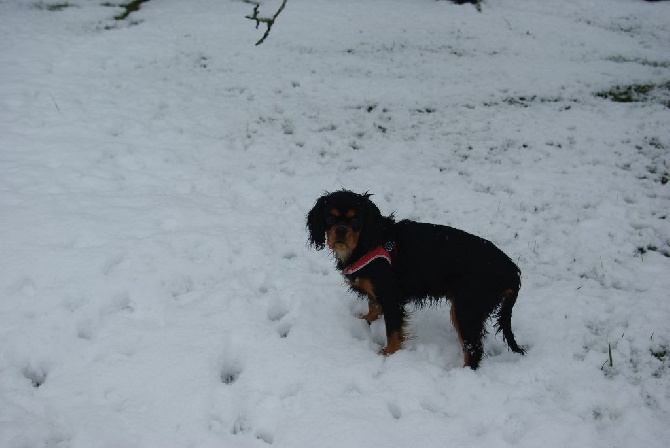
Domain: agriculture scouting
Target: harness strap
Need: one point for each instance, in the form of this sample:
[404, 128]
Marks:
[383, 251]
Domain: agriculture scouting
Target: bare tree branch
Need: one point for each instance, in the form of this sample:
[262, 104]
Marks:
[268, 21]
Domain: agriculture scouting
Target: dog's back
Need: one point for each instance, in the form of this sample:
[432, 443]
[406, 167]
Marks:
[436, 260]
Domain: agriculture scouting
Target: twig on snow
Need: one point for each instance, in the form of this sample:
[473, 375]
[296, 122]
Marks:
[268, 21]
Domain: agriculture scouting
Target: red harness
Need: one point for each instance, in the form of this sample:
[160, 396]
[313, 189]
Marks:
[378, 252]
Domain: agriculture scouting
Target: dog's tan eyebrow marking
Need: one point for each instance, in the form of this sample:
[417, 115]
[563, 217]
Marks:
[351, 214]
[334, 212]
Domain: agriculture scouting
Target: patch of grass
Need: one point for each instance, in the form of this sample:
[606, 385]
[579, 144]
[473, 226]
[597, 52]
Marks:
[527, 101]
[661, 353]
[645, 62]
[609, 361]
[520, 101]
[627, 94]
[477, 3]
[53, 6]
[425, 110]
[128, 7]
[641, 250]
[638, 93]
[608, 366]
[656, 169]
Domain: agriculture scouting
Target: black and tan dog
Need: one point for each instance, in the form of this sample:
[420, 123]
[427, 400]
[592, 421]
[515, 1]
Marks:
[395, 263]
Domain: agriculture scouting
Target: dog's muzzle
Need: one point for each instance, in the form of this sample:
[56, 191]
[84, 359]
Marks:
[341, 234]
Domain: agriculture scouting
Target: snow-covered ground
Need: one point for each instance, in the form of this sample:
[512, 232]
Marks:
[156, 288]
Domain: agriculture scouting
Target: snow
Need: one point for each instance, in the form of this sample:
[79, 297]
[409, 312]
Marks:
[157, 289]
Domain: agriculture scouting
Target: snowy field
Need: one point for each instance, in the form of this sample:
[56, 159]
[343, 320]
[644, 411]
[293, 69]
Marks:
[156, 288]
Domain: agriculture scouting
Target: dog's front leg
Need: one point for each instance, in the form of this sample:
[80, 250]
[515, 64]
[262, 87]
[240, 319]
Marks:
[366, 287]
[390, 299]
[374, 311]
[384, 298]
[394, 318]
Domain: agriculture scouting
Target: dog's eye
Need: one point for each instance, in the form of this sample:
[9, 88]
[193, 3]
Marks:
[355, 223]
[330, 220]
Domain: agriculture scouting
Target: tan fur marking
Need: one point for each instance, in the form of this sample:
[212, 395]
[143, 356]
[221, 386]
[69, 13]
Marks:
[335, 212]
[454, 322]
[374, 311]
[363, 285]
[395, 339]
[393, 342]
[350, 214]
[342, 249]
[466, 359]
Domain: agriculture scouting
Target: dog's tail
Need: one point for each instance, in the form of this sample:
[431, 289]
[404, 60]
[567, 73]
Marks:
[505, 319]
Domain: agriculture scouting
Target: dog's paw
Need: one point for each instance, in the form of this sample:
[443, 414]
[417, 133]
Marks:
[369, 318]
[388, 350]
[374, 313]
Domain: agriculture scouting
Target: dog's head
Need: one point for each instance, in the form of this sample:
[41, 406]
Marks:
[347, 223]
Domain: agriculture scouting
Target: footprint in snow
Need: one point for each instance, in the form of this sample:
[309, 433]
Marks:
[394, 410]
[37, 376]
[276, 314]
[230, 373]
[243, 426]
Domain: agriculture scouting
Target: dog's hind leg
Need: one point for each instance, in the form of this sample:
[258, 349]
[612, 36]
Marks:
[470, 329]
[454, 322]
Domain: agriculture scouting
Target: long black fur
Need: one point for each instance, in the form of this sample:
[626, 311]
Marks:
[429, 262]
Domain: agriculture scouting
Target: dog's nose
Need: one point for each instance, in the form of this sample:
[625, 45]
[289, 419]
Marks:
[340, 231]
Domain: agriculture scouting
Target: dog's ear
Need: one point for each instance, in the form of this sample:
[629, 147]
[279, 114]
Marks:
[376, 225]
[315, 224]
